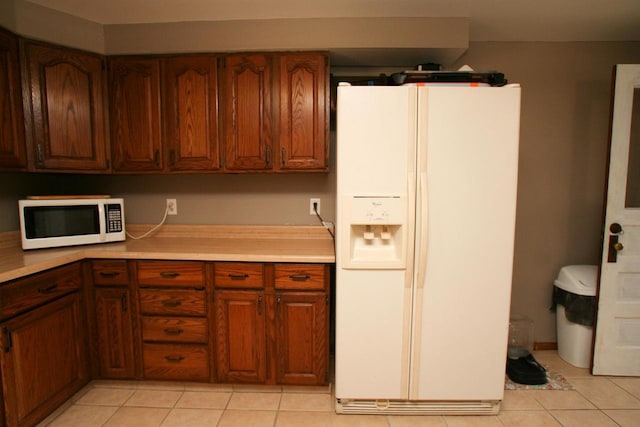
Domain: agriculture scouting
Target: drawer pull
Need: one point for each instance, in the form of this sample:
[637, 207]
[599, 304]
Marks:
[169, 274]
[174, 359]
[171, 303]
[238, 276]
[109, 274]
[300, 277]
[170, 331]
[48, 289]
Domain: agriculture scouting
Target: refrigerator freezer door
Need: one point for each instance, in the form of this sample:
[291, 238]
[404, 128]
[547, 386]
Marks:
[375, 156]
[468, 151]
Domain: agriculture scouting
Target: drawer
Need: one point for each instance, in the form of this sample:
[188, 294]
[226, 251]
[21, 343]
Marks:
[173, 302]
[171, 329]
[300, 276]
[239, 275]
[24, 294]
[110, 273]
[176, 362]
[171, 273]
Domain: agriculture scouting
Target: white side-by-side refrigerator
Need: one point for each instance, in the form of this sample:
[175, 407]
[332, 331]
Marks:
[426, 202]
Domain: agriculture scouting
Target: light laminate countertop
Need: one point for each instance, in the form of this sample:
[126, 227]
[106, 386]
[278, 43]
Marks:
[295, 244]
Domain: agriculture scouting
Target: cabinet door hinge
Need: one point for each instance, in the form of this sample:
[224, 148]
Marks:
[7, 339]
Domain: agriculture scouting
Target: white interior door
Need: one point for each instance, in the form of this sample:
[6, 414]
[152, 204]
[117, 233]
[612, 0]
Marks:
[617, 344]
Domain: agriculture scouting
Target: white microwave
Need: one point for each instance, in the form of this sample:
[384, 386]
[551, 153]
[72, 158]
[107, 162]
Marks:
[60, 221]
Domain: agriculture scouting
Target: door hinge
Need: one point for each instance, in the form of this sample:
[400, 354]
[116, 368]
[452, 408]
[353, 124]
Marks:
[7, 339]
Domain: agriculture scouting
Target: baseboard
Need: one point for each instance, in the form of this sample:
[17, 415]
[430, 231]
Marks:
[545, 345]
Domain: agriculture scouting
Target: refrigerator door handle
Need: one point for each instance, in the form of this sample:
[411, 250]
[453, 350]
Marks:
[422, 216]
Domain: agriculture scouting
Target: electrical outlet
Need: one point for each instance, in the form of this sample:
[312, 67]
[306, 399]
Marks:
[172, 207]
[312, 211]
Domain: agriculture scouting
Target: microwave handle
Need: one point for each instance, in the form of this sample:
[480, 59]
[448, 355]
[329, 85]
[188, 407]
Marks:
[103, 222]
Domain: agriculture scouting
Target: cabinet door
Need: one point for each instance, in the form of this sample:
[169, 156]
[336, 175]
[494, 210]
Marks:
[135, 114]
[115, 336]
[44, 360]
[191, 113]
[12, 146]
[303, 111]
[240, 336]
[67, 108]
[302, 337]
[248, 112]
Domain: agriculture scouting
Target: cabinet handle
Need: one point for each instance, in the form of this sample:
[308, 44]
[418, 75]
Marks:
[123, 301]
[172, 157]
[109, 274]
[170, 331]
[48, 289]
[156, 158]
[170, 303]
[278, 304]
[39, 154]
[174, 358]
[7, 342]
[238, 276]
[283, 155]
[169, 274]
[299, 277]
[260, 304]
[268, 155]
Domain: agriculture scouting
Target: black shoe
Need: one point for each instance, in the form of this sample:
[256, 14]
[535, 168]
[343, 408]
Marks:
[526, 370]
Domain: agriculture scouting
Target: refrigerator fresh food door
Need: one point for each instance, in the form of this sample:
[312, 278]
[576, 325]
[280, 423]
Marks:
[465, 221]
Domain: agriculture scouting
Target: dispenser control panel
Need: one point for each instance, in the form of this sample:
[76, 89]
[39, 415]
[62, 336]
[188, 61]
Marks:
[377, 210]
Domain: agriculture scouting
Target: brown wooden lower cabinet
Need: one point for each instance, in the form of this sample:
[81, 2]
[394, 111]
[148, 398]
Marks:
[114, 324]
[237, 322]
[240, 336]
[44, 361]
[301, 338]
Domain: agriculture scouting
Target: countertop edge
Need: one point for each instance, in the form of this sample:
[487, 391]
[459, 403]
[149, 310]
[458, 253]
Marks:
[254, 244]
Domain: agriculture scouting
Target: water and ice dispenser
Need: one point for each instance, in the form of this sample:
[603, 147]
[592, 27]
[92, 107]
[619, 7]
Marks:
[375, 232]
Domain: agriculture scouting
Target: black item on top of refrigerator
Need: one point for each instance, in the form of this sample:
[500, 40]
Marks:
[491, 78]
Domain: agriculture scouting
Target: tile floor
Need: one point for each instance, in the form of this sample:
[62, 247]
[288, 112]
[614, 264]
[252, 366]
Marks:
[595, 401]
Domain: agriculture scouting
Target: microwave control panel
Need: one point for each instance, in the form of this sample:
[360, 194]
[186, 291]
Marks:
[114, 219]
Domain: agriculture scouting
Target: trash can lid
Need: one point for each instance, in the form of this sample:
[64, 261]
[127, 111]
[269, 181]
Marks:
[578, 279]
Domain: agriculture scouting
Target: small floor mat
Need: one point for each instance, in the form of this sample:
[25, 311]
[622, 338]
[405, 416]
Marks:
[555, 381]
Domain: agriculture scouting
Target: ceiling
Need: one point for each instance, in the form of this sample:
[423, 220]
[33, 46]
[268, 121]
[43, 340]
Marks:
[489, 20]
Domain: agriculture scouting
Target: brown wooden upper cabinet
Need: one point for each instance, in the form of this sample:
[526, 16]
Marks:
[191, 113]
[275, 112]
[66, 118]
[13, 155]
[134, 85]
[304, 114]
[248, 120]
[164, 114]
